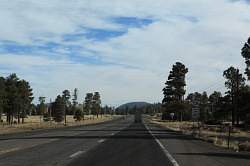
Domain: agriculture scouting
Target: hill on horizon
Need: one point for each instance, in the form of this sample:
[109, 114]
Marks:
[131, 105]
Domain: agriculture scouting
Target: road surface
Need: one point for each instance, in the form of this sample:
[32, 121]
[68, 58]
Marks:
[116, 143]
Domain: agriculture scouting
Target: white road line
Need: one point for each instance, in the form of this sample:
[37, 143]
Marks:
[169, 156]
[8, 150]
[101, 140]
[76, 154]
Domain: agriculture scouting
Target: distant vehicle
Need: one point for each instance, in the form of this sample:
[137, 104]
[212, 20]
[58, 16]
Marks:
[137, 117]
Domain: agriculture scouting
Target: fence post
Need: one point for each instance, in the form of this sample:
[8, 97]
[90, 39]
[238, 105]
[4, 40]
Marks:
[199, 128]
[229, 135]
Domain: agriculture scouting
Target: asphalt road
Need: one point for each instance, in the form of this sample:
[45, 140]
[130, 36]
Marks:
[188, 151]
[118, 143]
[55, 147]
[133, 146]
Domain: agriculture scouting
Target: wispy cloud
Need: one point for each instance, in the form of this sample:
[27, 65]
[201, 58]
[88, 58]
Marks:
[122, 48]
[133, 22]
[102, 34]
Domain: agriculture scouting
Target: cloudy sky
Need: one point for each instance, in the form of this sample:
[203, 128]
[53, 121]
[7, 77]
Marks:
[122, 48]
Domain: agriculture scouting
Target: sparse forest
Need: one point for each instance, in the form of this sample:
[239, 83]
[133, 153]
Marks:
[15, 98]
[17, 102]
[233, 105]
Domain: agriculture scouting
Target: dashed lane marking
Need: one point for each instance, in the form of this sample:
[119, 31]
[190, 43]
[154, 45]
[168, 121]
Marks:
[76, 154]
[101, 141]
[8, 150]
[169, 156]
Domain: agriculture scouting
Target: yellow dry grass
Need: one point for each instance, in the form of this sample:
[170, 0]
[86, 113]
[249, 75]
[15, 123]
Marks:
[36, 122]
[211, 134]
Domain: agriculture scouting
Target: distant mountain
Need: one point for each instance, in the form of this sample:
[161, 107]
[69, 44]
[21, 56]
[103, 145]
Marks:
[133, 105]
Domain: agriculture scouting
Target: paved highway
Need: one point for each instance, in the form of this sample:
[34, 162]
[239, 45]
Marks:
[55, 147]
[120, 143]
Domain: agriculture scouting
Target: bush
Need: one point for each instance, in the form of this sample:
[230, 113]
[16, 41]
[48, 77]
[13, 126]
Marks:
[46, 117]
[245, 146]
[213, 122]
[58, 109]
[78, 115]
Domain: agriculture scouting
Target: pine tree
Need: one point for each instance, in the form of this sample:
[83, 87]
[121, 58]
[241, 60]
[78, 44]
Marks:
[88, 103]
[204, 115]
[66, 96]
[96, 103]
[11, 97]
[175, 90]
[75, 96]
[25, 97]
[41, 106]
[245, 52]
[234, 80]
[2, 96]
[15, 97]
[58, 109]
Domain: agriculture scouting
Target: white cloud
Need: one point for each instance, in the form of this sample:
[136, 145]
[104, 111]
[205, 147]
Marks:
[206, 35]
[50, 77]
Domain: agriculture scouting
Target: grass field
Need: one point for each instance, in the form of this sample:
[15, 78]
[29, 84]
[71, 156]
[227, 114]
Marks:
[36, 122]
[239, 139]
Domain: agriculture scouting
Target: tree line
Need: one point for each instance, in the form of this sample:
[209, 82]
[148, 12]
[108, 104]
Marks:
[15, 98]
[232, 106]
[63, 106]
[16, 102]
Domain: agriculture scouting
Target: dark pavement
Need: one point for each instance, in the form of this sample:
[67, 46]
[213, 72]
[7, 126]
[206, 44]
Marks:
[133, 146]
[55, 147]
[189, 151]
[116, 143]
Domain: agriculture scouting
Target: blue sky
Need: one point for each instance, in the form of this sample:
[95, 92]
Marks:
[124, 49]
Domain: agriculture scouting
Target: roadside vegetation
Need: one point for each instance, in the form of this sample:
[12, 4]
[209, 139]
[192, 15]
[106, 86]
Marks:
[18, 111]
[210, 116]
[34, 123]
[220, 118]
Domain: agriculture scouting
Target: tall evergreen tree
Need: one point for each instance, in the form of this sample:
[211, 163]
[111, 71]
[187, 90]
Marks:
[42, 105]
[234, 80]
[175, 89]
[97, 103]
[58, 109]
[244, 104]
[25, 97]
[214, 97]
[15, 97]
[204, 111]
[75, 96]
[66, 96]
[195, 98]
[11, 97]
[2, 97]
[245, 52]
[88, 103]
